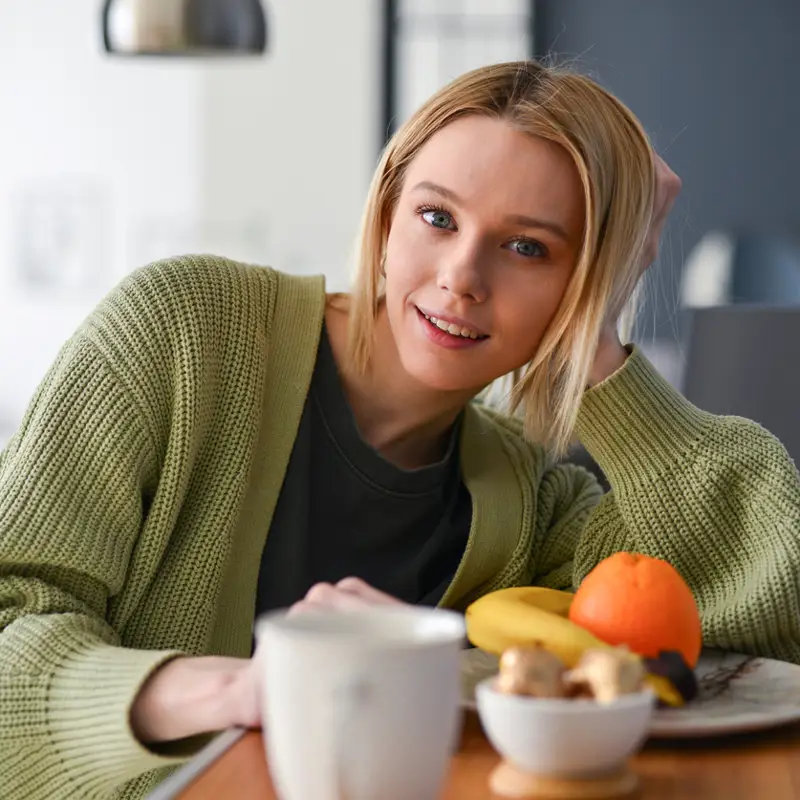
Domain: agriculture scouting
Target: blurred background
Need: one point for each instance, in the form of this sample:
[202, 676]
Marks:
[260, 146]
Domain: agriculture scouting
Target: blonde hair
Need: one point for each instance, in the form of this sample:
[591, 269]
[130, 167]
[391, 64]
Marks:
[616, 166]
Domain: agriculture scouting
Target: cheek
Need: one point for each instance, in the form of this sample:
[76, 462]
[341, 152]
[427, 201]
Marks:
[528, 311]
[409, 259]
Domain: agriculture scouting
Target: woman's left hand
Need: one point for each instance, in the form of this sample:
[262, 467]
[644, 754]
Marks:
[346, 595]
[611, 354]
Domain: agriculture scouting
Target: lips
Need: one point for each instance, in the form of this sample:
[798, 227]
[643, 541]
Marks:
[455, 326]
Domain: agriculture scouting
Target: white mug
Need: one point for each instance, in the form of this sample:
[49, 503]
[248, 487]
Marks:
[360, 705]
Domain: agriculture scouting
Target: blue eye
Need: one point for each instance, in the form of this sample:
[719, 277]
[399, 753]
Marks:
[438, 218]
[528, 248]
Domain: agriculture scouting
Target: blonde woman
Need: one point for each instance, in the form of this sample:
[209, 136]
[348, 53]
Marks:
[220, 439]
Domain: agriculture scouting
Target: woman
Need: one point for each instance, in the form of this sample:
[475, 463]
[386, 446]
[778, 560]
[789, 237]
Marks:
[206, 404]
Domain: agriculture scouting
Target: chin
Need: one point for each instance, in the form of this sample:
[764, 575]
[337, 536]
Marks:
[431, 373]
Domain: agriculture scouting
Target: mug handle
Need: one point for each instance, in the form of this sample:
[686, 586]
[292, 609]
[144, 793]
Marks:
[349, 699]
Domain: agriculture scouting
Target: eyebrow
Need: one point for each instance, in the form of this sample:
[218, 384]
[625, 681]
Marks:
[519, 219]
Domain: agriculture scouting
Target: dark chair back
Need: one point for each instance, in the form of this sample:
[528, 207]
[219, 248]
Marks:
[745, 360]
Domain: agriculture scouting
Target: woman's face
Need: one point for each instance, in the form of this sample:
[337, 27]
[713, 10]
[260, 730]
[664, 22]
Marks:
[483, 240]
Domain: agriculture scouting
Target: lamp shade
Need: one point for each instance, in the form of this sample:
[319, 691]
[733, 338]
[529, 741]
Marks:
[184, 27]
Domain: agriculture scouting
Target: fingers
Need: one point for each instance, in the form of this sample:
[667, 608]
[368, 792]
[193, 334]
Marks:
[329, 596]
[369, 593]
[247, 698]
[668, 185]
[326, 597]
[347, 595]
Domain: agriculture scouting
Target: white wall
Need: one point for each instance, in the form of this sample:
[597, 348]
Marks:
[112, 162]
[293, 139]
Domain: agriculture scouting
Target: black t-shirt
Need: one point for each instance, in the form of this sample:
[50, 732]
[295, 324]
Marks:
[345, 510]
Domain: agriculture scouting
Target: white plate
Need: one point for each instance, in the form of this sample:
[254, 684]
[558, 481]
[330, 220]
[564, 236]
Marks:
[737, 693]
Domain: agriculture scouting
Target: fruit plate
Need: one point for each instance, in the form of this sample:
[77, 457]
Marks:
[738, 693]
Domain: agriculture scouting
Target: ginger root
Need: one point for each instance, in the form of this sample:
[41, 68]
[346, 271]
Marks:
[607, 674]
[533, 671]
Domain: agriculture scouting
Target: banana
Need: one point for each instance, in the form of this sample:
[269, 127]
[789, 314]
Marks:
[552, 600]
[524, 615]
[533, 614]
[664, 690]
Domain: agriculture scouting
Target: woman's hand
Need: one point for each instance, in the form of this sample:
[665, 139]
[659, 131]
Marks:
[611, 354]
[668, 185]
[346, 595]
[188, 696]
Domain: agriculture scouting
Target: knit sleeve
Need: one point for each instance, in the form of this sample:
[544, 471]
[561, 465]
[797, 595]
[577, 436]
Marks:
[718, 497]
[73, 484]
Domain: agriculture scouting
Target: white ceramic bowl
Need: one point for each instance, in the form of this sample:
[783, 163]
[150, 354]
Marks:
[567, 738]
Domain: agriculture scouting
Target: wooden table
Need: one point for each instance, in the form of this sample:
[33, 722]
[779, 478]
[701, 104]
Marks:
[763, 766]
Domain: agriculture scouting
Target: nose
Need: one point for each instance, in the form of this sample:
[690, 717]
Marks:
[461, 274]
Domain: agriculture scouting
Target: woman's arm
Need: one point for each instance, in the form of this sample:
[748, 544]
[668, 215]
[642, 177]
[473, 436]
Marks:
[116, 496]
[72, 482]
[190, 696]
[79, 712]
[90, 488]
[718, 497]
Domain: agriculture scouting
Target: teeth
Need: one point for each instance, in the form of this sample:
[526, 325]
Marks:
[452, 328]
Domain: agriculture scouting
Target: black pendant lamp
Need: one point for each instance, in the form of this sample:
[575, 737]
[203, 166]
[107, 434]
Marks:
[184, 27]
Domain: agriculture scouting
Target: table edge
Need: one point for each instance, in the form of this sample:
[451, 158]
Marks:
[175, 783]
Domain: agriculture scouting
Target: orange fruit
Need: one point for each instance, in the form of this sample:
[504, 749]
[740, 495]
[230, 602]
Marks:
[641, 602]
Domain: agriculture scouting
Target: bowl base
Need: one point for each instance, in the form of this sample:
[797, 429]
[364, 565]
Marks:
[507, 780]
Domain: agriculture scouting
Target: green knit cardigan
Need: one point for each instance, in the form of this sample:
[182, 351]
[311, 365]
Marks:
[136, 496]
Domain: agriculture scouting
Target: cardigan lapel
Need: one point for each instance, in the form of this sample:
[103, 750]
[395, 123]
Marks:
[498, 531]
[292, 339]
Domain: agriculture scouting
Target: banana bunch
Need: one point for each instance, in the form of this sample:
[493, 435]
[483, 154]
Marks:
[535, 615]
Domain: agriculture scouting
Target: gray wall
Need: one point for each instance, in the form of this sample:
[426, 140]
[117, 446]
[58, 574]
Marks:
[716, 83]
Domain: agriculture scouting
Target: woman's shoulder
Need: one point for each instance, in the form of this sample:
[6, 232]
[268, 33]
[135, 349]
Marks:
[196, 283]
[183, 315]
[183, 295]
